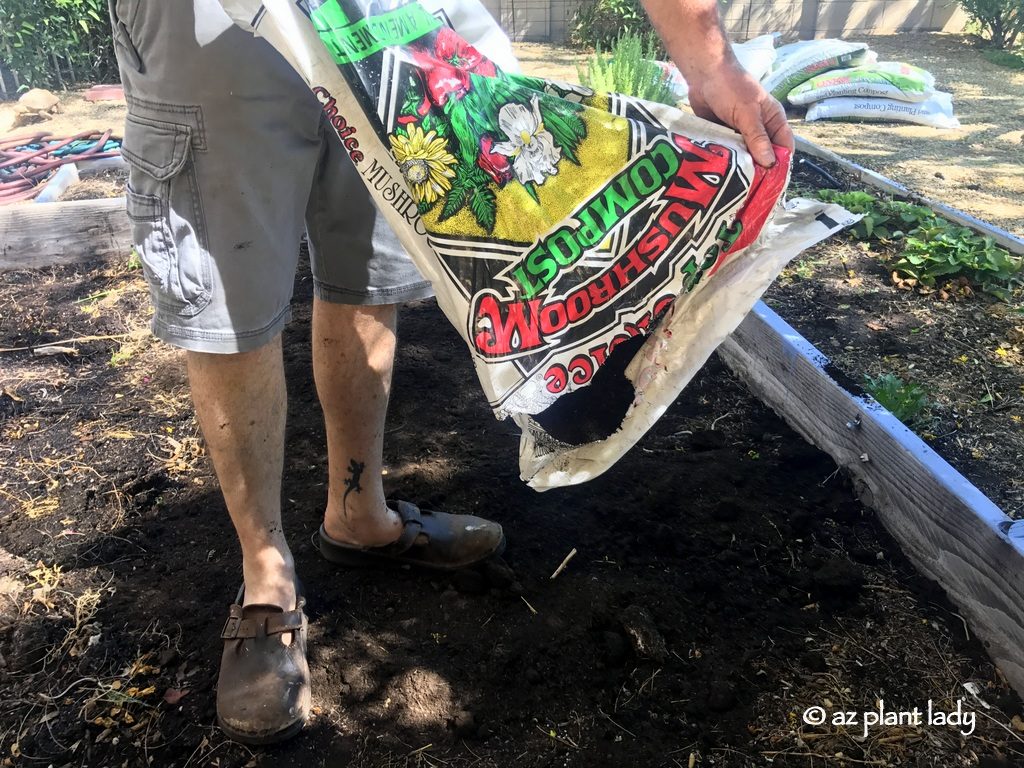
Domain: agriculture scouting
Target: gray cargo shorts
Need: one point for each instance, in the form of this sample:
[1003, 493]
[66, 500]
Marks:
[230, 159]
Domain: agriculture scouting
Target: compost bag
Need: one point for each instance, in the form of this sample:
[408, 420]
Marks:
[591, 249]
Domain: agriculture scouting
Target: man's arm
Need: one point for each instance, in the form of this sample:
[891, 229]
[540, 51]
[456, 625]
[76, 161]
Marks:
[720, 89]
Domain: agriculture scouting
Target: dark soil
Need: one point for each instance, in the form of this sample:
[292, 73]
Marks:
[965, 348]
[726, 579]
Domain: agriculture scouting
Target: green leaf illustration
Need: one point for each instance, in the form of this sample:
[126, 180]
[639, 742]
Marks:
[484, 206]
[454, 201]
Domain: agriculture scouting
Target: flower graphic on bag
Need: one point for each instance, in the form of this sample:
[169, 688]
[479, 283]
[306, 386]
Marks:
[496, 165]
[446, 67]
[466, 131]
[531, 147]
[425, 163]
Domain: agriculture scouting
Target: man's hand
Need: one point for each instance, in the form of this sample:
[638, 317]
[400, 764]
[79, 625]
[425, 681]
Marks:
[729, 95]
[720, 89]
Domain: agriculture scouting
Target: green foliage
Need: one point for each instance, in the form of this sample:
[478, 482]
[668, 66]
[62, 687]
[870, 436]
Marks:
[1002, 21]
[53, 43]
[932, 247]
[904, 400]
[1004, 59]
[629, 69]
[601, 22]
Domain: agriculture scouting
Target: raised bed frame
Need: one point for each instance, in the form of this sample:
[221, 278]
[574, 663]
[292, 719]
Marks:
[947, 527]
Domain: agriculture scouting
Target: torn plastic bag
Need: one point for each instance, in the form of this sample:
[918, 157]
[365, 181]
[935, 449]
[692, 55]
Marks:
[591, 249]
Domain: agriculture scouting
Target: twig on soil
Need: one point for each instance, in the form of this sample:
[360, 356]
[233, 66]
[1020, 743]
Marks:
[552, 735]
[532, 609]
[1010, 731]
[565, 562]
[76, 340]
[772, 755]
[621, 728]
[723, 416]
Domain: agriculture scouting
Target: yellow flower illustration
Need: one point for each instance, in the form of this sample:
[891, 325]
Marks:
[425, 163]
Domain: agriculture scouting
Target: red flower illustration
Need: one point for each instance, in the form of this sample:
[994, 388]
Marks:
[494, 164]
[445, 70]
[449, 47]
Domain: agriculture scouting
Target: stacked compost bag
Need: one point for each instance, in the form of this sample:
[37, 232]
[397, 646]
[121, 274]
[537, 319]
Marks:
[840, 80]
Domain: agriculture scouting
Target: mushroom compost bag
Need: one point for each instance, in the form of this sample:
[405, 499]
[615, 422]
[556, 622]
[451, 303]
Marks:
[591, 249]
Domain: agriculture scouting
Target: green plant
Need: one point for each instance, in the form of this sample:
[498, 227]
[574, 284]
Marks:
[1004, 58]
[600, 22]
[932, 247]
[54, 43]
[1001, 20]
[904, 400]
[629, 68]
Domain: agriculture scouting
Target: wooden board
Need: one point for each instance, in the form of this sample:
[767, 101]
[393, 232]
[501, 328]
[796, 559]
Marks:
[1000, 236]
[35, 235]
[946, 526]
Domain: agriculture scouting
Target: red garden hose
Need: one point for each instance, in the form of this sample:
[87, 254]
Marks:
[26, 162]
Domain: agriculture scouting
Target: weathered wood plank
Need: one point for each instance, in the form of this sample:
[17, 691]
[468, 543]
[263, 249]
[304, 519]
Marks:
[35, 235]
[946, 526]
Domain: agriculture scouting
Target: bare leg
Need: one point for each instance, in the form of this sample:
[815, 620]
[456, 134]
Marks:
[240, 401]
[353, 353]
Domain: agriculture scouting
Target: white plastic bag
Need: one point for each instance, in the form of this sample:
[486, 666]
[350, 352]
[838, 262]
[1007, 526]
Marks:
[756, 56]
[798, 62]
[885, 80]
[937, 111]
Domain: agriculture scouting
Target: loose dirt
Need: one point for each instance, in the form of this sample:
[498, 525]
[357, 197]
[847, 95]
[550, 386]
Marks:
[726, 580]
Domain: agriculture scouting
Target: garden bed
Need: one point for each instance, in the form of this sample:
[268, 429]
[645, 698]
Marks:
[722, 533]
[958, 352]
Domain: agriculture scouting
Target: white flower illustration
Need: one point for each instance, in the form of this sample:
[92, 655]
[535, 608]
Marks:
[568, 91]
[532, 149]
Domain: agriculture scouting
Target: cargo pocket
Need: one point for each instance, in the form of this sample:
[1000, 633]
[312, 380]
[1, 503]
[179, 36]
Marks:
[166, 214]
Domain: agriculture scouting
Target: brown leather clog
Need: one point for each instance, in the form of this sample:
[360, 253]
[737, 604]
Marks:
[437, 540]
[263, 692]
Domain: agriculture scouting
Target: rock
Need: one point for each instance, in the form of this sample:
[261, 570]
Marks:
[40, 100]
[469, 582]
[614, 646]
[814, 661]
[498, 574]
[645, 638]
[707, 440]
[8, 119]
[533, 677]
[727, 511]
[721, 697]
[450, 598]
[464, 724]
[838, 581]
[167, 657]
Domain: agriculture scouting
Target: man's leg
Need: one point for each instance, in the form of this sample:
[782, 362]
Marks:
[240, 401]
[353, 353]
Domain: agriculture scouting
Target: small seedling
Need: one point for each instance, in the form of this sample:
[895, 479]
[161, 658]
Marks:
[904, 400]
[933, 249]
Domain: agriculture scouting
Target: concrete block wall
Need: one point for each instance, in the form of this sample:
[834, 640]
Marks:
[548, 20]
